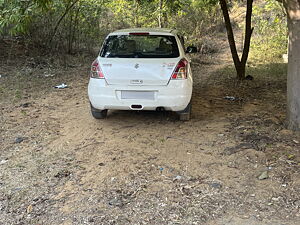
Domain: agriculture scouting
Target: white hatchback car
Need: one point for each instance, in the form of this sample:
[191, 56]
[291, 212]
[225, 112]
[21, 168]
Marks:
[142, 69]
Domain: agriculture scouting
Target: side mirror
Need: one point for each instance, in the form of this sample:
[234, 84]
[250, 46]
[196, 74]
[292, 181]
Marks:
[191, 49]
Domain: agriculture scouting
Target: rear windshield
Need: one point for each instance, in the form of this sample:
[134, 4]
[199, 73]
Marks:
[140, 46]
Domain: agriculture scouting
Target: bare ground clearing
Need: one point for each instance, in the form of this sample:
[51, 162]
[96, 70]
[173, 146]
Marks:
[145, 167]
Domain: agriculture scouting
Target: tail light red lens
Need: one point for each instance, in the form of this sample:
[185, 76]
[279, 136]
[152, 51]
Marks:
[180, 71]
[96, 71]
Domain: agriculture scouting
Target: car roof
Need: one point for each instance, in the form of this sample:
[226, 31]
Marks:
[162, 31]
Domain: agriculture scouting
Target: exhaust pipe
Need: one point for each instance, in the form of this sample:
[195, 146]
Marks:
[136, 107]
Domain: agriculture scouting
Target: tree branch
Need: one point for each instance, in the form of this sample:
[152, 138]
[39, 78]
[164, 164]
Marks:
[248, 32]
[230, 34]
[68, 8]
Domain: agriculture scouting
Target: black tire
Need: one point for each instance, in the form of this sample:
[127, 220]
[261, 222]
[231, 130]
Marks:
[98, 114]
[185, 115]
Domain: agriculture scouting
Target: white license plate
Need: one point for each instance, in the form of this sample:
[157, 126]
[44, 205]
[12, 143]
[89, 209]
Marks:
[148, 95]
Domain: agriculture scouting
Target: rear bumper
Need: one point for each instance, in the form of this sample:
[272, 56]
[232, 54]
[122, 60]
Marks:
[173, 97]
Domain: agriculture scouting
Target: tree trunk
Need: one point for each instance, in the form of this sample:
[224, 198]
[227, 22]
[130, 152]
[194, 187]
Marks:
[240, 65]
[160, 14]
[240, 71]
[248, 32]
[230, 34]
[70, 34]
[136, 13]
[293, 79]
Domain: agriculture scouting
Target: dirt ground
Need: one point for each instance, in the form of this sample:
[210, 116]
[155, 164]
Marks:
[58, 165]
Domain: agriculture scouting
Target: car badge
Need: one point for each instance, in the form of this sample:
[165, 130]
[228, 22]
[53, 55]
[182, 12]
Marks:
[136, 66]
[107, 64]
[136, 81]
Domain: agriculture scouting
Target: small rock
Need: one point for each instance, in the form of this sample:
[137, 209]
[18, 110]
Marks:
[101, 164]
[296, 142]
[264, 175]
[249, 77]
[177, 178]
[63, 173]
[25, 105]
[29, 209]
[116, 202]
[19, 140]
[275, 199]
[91, 220]
[3, 161]
[216, 185]
[17, 189]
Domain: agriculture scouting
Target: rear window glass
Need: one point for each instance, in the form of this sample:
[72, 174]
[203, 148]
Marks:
[140, 46]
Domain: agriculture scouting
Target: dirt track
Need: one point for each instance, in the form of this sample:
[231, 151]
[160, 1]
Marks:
[148, 167]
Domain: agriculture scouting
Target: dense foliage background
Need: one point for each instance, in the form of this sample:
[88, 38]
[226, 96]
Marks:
[73, 25]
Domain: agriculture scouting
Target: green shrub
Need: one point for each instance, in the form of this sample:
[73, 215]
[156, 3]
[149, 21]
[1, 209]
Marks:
[269, 39]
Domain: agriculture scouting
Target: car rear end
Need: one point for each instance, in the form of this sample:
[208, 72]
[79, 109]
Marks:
[140, 71]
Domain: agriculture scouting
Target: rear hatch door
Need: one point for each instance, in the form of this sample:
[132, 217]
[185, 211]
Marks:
[137, 71]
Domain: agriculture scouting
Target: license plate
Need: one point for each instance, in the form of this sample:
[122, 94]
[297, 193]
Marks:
[148, 95]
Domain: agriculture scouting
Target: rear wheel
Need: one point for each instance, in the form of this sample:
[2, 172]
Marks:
[98, 114]
[185, 114]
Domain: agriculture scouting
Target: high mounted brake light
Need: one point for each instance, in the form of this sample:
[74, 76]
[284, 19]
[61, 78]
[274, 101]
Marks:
[96, 71]
[139, 33]
[180, 71]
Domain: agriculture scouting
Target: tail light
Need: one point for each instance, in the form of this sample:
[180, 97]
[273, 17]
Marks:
[180, 71]
[96, 71]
